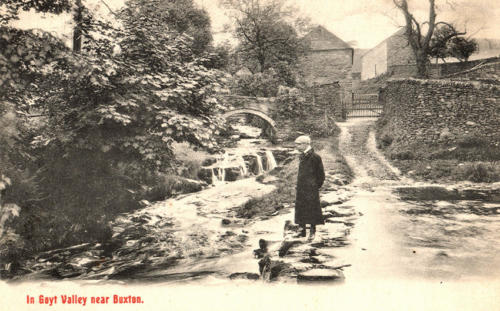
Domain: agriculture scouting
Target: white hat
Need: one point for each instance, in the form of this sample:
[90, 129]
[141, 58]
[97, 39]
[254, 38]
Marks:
[304, 139]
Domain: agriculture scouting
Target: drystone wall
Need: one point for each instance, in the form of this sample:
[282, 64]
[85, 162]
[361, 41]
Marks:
[437, 111]
[487, 72]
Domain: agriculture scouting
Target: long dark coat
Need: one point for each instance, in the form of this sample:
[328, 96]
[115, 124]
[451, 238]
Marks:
[309, 179]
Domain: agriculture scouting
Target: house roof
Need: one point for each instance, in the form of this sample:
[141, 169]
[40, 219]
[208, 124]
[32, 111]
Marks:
[322, 39]
[399, 33]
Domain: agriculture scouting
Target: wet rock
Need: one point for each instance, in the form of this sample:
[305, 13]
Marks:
[281, 155]
[226, 221]
[262, 250]
[227, 234]
[69, 271]
[286, 245]
[232, 173]
[334, 214]
[314, 259]
[268, 179]
[442, 254]
[244, 275]
[187, 185]
[205, 174]
[209, 161]
[320, 275]
[56, 254]
[304, 250]
[331, 242]
[331, 198]
[290, 228]
[270, 270]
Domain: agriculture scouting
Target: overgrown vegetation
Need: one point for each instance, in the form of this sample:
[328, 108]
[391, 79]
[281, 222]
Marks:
[469, 158]
[89, 134]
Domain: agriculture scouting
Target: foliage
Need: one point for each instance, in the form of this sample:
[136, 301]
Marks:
[265, 32]
[12, 7]
[190, 159]
[462, 48]
[109, 118]
[480, 172]
[175, 17]
[290, 104]
[220, 57]
[446, 42]
[263, 84]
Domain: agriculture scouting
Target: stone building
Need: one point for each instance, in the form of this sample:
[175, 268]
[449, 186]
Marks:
[393, 55]
[329, 59]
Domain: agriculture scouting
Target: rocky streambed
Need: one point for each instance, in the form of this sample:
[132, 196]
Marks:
[199, 236]
[380, 225]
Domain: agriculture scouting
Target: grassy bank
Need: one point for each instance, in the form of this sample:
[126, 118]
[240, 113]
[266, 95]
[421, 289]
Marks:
[284, 195]
[468, 159]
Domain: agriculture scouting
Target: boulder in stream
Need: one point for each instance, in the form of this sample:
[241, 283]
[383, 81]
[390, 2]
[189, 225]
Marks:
[320, 275]
[244, 276]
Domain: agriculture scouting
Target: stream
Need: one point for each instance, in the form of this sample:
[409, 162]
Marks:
[381, 226]
[413, 230]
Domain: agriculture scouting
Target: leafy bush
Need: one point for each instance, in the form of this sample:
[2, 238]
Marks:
[111, 120]
[190, 159]
[471, 141]
[480, 172]
[290, 104]
[263, 84]
[386, 140]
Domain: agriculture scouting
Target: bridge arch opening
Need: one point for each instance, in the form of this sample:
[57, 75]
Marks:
[268, 130]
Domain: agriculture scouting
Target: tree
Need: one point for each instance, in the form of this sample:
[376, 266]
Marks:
[447, 42]
[419, 41]
[439, 42]
[266, 36]
[462, 48]
[110, 115]
[183, 17]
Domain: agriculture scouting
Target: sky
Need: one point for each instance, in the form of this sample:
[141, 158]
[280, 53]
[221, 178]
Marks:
[364, 23]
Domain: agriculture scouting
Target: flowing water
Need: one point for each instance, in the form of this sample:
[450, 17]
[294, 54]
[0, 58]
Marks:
[435, 233]
[185, 238]
[418, 231]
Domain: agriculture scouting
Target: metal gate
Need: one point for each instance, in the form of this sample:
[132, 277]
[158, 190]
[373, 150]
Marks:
[363, 106]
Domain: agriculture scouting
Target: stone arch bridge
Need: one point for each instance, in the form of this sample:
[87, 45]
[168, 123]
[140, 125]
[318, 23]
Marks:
[261, 107]
[324, 107]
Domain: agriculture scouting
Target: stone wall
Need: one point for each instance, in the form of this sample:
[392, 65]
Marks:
[447, 69]
[489, 72]
[324, 67]
[430, 111]
[437, 71]
[327, 99]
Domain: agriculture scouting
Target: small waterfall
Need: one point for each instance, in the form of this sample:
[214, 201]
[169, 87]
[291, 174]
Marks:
[271, 161]
[260, 167]
[231, 166]
[218, 175]
[242, 165]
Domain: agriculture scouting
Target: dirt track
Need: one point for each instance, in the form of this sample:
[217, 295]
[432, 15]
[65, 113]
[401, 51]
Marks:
[357, 144]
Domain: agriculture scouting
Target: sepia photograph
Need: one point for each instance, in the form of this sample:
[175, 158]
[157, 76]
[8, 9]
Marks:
[249, 155]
